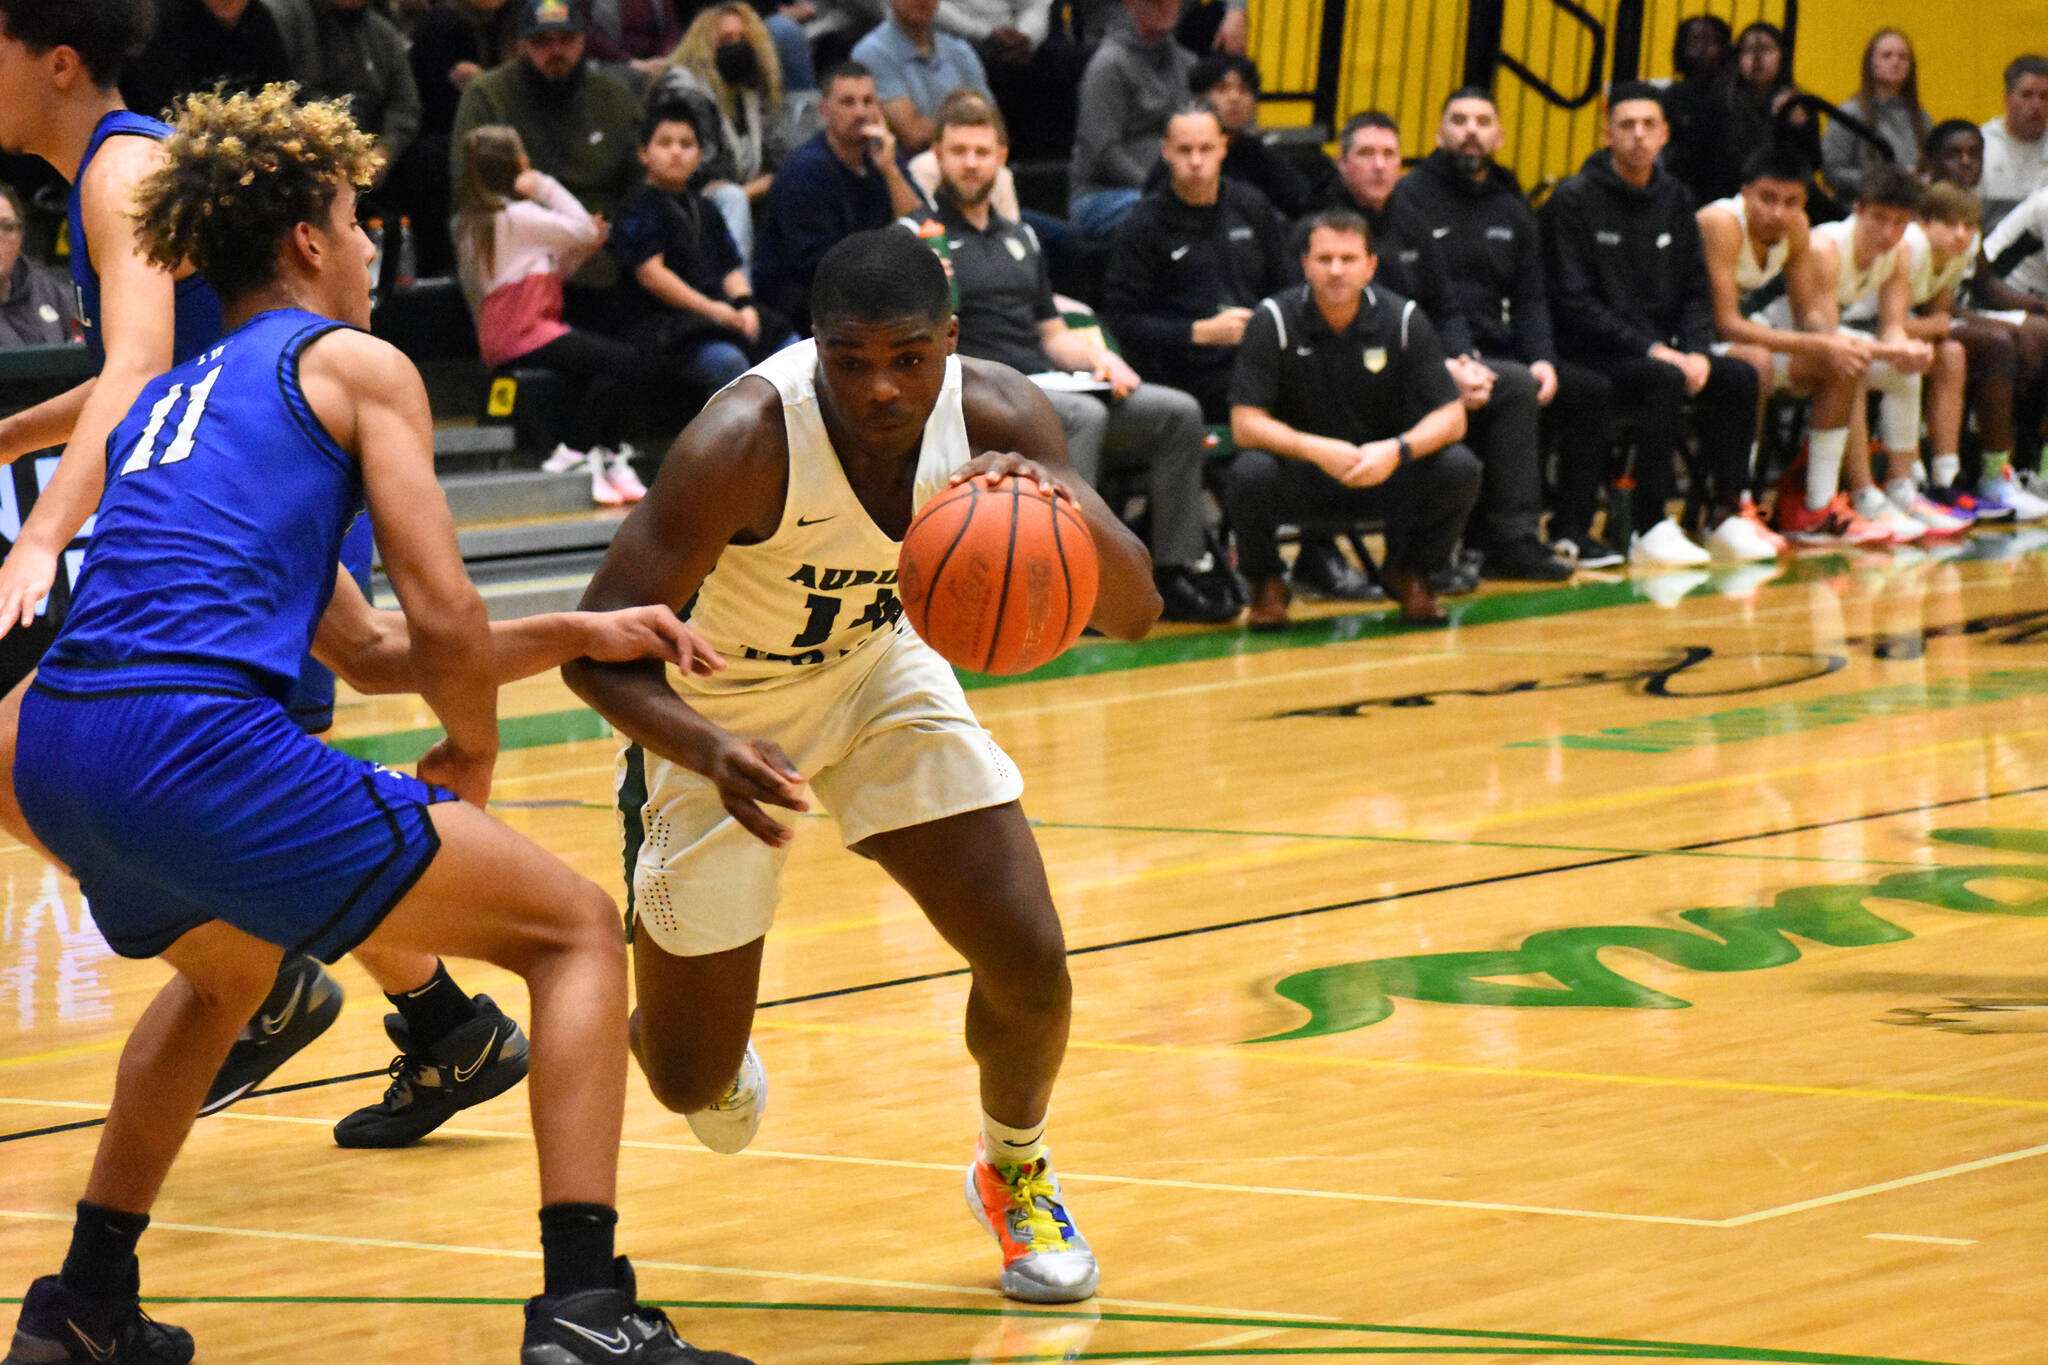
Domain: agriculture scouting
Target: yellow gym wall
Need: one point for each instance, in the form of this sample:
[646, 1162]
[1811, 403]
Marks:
[1404, 56]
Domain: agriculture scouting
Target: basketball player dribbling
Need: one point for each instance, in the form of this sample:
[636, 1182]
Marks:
[157, 760]
[780, 509]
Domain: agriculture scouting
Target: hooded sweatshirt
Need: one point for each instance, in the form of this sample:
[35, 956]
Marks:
[1627, 270]
[1492, 253]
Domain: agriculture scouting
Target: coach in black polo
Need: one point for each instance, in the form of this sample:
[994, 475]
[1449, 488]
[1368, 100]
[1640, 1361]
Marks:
[1341, 406]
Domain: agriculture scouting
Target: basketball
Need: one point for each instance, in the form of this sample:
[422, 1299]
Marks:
[997, 577]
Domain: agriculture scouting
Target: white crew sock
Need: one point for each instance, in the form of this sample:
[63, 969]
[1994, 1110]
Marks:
[1945, 470]
[1824, 452]
[1007, 1146]
[1901, 490]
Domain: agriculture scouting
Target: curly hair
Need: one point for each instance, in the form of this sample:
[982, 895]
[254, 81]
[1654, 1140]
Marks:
[243, 170]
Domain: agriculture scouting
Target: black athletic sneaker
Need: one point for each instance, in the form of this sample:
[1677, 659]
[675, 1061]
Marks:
[483, 1058]
[608, 1325]
[57, 1325]
[300, 1006]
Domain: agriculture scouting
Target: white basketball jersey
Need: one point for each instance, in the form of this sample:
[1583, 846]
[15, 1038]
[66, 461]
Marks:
[824, 584]
[1750, 273]
[1853, 285]
[1926, 281]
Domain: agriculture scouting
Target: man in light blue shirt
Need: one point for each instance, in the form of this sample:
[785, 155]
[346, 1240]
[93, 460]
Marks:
[915, 68]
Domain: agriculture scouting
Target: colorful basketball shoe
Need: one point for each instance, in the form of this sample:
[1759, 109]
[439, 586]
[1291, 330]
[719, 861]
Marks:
[729, 1122]
[1045, 1258]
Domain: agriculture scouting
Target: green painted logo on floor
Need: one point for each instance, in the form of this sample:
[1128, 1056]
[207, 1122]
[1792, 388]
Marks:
[1738, 938]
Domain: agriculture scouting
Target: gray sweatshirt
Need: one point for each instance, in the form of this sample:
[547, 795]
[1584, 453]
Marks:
[1127, 92]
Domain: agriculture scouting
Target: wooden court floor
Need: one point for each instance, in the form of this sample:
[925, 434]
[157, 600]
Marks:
[1644, 968]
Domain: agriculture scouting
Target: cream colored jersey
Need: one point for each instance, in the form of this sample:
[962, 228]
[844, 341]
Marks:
[1758, 283]
[824, 584]
[1856, 290]
[1926, 280]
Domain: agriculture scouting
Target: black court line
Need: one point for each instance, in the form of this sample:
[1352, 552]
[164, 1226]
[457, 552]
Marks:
[1253, 921]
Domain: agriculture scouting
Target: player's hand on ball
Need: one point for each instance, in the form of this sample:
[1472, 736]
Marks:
[997, 465]
[25, 580]
[468, 776]
[652, 632]
[751, 773]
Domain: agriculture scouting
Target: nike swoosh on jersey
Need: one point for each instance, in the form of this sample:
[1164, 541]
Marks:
[461, 1075]
[1176, 253]
[615, 1343]
[284, 1016]
[813, 521]
[1439, 232]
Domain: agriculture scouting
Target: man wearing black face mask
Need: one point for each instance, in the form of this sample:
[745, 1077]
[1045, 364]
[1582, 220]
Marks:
[580, 124]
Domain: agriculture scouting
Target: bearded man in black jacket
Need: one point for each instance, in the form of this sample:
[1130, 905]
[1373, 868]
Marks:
[1492, 255]
[1629, 295]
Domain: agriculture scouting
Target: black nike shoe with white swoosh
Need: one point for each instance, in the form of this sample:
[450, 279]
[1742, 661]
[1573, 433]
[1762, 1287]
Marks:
[483, 1058]
[301, 1004]
[608, 1326]
[59, 1326]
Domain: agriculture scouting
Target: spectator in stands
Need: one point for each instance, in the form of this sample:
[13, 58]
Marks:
[688, 302]
[1954, 152]
[2016, 146]
[1759, 107]
[2006, 349]
[1492, 294]
[1230, 84]
[199, 44]
[1888, 100]
[916, 67]
[847, 179]
[348, 48]
[635, 34]
[519, 233]
[580, 125]
[1861, 275]
[1007, 315]
[1757, 251]
[728, 62]
[1341, 406]
[37, 305]
[1700, 50]
[453, 42]
[1629, 296]
[1033, 67]
[1135, 80]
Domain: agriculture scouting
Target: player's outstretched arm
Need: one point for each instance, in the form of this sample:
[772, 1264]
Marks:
[371, 651]
[47, 424]
[723, 480]
[371, 399]
[138, 322]
[1007, 414]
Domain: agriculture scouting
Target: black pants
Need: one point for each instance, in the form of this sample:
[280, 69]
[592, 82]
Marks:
[608, 371]
[1424, 506]
[1504, 434]
[1724, 415]
[1579, 424]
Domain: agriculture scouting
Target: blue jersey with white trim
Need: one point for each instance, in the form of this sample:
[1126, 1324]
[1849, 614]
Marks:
[225, 508]
[198, 307]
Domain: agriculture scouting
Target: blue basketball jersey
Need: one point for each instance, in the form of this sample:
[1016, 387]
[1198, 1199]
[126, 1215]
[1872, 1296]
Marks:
[225, 507]
[198, 309]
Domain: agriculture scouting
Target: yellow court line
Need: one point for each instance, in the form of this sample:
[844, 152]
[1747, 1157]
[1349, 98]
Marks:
[58, 1054]
[741, 1272]
[1239, 1054]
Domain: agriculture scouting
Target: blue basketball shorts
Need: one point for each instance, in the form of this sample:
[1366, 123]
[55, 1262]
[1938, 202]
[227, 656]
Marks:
[173, 808]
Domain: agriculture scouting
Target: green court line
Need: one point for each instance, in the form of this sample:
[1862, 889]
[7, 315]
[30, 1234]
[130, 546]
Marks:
[1093, 657]
[1503, 1342]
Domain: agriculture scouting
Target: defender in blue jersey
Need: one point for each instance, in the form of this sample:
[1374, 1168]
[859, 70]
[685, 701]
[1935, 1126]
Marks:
[58, 100]
[156, 758]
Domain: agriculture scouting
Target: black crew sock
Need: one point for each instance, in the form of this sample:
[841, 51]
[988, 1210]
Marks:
[101, 1262]
[436, 1009]
[576, 1247]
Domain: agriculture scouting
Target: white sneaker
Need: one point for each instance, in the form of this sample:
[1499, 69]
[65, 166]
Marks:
[602, 491]
[1740, 540]
[1872, 505]
[1938, 520]
[1665, 543]
[729, 1122]
[618, 468]
[563, 460]
[2025, 506]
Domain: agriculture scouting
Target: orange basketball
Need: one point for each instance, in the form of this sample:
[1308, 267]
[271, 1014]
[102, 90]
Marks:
[997, 577]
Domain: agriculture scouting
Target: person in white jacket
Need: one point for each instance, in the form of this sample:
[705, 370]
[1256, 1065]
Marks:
[518, 235]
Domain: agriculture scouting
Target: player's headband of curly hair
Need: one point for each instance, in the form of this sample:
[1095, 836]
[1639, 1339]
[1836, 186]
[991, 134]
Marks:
[243, 170]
